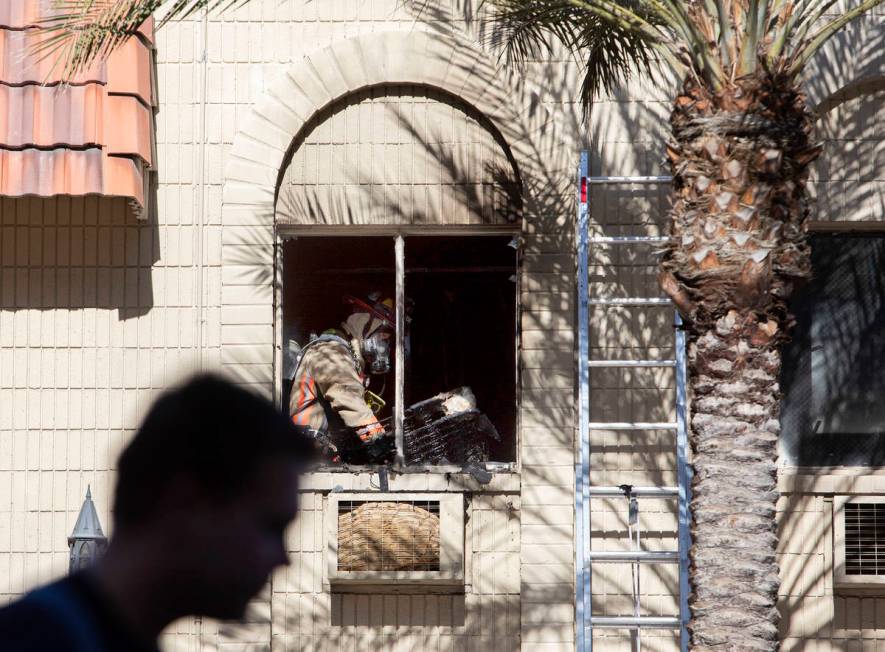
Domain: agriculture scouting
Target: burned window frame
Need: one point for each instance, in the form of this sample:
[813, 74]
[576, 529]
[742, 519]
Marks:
[399, 236]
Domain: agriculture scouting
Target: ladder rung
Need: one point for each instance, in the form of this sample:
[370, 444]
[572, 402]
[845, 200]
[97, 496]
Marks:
[635, 622]
[639, 492]
[633, 425]
[634, 556]
[633, 301]
[631, 363]
[651, 179]
[628, 239]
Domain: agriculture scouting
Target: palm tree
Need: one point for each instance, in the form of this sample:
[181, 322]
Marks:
[740, 148]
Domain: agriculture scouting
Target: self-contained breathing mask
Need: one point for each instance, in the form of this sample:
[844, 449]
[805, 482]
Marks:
[377, 335]
[376, 352]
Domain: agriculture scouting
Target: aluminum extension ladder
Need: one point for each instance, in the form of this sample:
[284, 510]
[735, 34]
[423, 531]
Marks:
[586, 622]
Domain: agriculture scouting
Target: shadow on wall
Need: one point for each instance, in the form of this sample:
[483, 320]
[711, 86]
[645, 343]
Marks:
[852, 57]
[76, 252]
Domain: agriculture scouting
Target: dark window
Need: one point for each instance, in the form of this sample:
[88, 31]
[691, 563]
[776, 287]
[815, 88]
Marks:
[460, 296]
[318, 273]
[833, 378]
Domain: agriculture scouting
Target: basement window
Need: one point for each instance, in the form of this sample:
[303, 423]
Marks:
[833, 376]
[454, 353]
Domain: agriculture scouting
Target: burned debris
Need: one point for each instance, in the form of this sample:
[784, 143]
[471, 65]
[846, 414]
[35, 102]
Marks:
[447, 429]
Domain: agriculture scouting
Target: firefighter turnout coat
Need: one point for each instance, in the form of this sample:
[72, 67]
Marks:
[328, 389]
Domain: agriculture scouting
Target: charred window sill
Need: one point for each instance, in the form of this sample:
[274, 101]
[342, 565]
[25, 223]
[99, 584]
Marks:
[414, 479]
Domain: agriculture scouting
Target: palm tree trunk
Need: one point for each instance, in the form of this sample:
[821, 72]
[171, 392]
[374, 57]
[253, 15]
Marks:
[734, 429]
[737, 248]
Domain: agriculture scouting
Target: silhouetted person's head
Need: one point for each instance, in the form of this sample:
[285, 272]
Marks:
[211, 477]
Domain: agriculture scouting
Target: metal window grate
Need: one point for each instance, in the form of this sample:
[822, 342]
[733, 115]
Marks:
[865, 538]
[388, 536]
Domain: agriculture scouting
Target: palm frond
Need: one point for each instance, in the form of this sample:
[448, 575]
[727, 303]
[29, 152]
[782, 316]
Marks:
[527, 30]
[81, 32]
[610, 43]
[610, 60]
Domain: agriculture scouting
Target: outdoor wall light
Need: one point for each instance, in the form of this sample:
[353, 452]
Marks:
[87, 542]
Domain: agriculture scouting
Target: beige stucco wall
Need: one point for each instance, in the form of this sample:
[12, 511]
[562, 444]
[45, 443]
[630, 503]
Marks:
[98, 312]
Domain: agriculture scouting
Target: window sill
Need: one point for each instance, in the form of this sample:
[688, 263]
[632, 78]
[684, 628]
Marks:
[429, 479]
[831, 480]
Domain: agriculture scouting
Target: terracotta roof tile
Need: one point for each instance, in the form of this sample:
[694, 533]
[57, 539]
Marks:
[50, 116]
[130, 71]
[44, 173]
[93, 136]
[19, 14]
[17, 66]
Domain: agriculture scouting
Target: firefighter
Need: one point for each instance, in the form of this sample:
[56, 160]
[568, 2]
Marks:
[330, 381]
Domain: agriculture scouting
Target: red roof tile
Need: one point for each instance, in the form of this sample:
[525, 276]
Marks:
[44, 173]
[91, 136]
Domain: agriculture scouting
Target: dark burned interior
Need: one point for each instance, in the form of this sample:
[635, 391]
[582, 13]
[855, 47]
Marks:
[460, 300]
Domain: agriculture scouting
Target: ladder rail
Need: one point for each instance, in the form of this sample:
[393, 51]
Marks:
[683, 473]
[583, 592]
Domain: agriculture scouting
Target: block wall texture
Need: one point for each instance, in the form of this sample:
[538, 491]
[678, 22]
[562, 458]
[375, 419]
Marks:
[96, 315]
[99, 312]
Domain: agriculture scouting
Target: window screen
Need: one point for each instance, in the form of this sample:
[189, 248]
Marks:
[833, 377]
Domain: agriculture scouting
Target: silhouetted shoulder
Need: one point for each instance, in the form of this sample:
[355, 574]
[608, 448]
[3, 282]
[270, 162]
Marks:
[66, 615]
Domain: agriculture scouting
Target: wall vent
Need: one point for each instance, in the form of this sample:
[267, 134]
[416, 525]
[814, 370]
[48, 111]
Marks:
[403, 539]
[376, 535]
[859, 542]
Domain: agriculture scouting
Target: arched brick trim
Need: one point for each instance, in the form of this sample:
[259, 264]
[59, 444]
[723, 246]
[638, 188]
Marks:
[260, 149]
